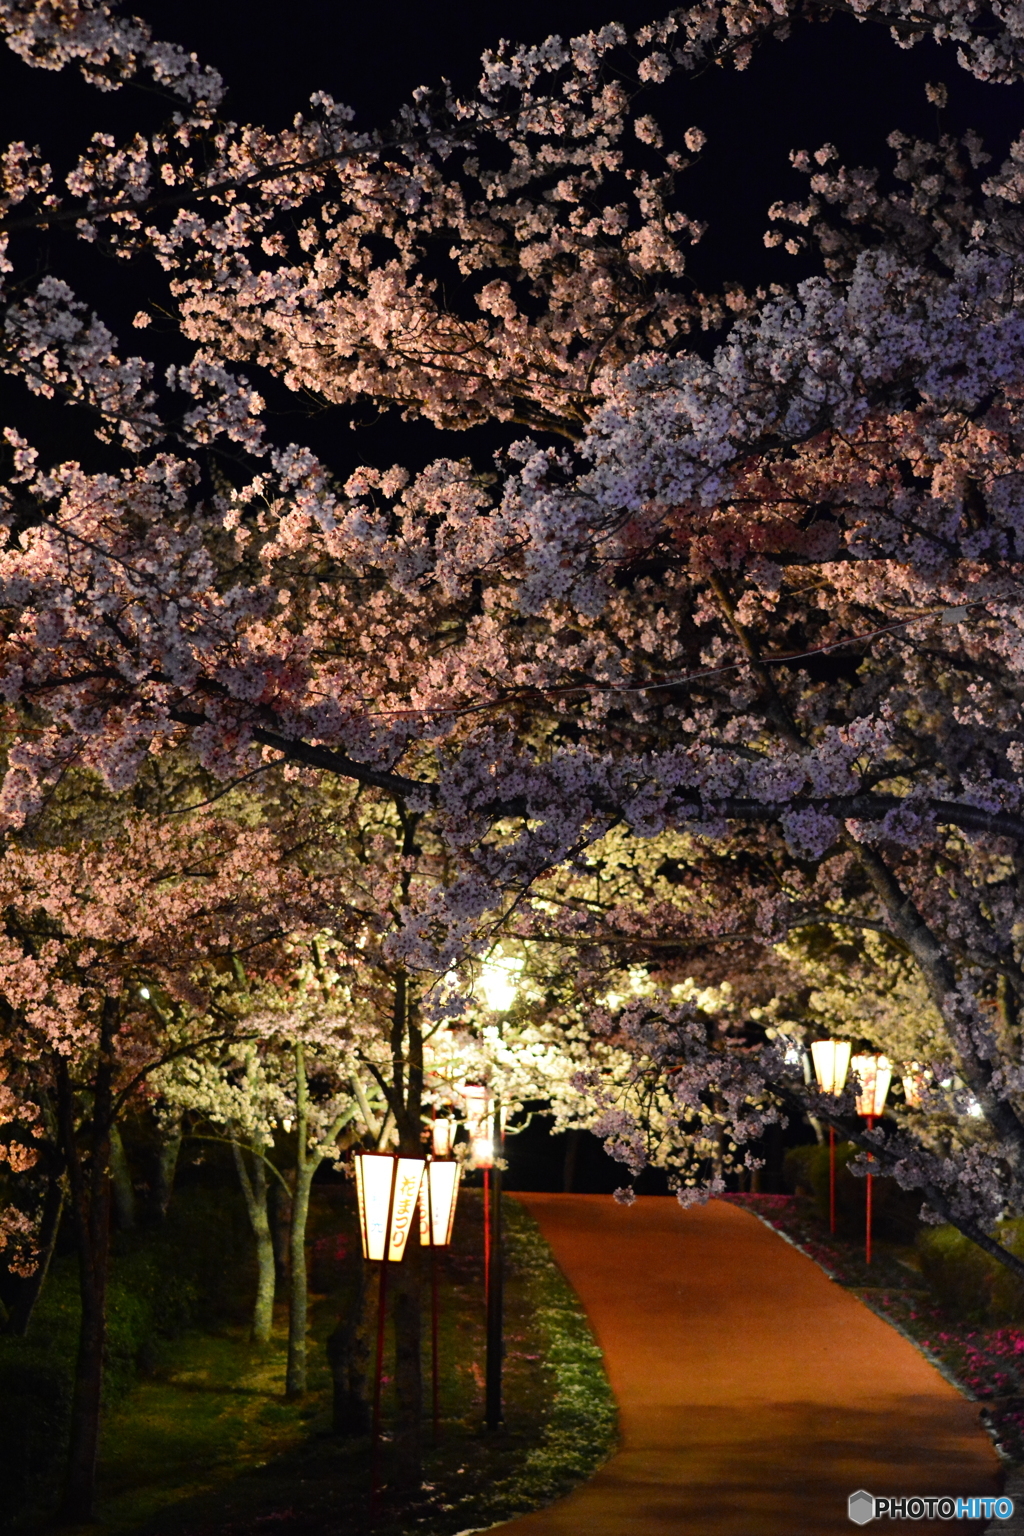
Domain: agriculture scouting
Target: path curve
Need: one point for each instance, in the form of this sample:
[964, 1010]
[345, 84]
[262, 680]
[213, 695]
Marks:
[754, 1394]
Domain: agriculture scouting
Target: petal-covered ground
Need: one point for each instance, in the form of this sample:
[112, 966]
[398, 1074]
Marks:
[754, 1394]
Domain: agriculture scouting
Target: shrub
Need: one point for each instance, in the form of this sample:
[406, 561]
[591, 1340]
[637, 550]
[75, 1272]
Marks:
[968, 1281]
[895, 1210]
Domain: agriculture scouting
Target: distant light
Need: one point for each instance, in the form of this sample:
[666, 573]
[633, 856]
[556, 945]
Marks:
[914, 1084]
[875, 1073]
[793, 1056]
[442, 1135]
[286, 1126]
[497, 983]
[481, 1150]
[144, 992]
[975, 1109]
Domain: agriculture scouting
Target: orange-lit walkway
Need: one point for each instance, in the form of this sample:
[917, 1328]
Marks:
[754, 1394]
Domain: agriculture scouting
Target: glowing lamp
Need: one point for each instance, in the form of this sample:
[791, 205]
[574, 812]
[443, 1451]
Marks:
[438, 1195]
[388, 1188]
[913, 1086]
[477, 1099]
[831, 1060]
[442, 1136]
[875, 1073]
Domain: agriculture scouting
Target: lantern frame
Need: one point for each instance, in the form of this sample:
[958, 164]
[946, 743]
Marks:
[387, 1197]
[875, 1073]
[831, 1062]
[439, 1195]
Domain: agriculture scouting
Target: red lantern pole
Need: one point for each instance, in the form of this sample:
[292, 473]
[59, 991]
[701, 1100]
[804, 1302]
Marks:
[487, 1234]
[382, 1301]
[867, 1243]
[832, 1178]
[433, 1338]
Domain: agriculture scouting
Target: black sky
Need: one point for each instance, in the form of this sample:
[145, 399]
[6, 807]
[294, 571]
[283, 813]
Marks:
[843, 83]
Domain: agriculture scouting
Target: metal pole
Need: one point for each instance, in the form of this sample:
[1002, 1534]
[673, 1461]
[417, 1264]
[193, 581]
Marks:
[495, 1320]
[867, 1244]
[832, 1178]
[433, 1301]
[382, 1300]
[487, 1238]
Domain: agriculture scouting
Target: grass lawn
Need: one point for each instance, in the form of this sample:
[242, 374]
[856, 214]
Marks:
[204, 1442]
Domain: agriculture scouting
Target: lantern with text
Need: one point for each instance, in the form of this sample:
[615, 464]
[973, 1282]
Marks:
[831, 1060]
[388, 1188]
[875, 1074]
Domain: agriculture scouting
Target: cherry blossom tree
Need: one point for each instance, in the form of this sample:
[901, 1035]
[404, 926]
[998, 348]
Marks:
[756, 589]
[98, 992]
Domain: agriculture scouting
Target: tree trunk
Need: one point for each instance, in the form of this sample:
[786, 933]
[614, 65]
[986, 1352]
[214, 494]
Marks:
[166, 1167]
[405, 1282]
[30, 1289]
[90, 1203]
[254, 1191]
[121, 1180]
[298, 1290]
[348, 1351]
[295, 1378]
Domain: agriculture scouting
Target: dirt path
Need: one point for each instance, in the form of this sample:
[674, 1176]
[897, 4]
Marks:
[754, 1394]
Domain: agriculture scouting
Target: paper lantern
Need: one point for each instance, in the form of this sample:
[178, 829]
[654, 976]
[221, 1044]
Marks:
[875, 1073]
[442, 1135]
[439, 1193]
[831, 1060]
[914, 1084]
[388, 1188]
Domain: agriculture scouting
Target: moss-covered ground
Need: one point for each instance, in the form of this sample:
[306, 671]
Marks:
[204, 1441]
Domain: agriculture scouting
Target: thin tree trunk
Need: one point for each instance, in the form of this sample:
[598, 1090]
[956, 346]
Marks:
[166, 1167]
[298, 1295]
[90, 1201]
[20, 1316]
[254, 1191]
[121, 1181]
[348, 1351]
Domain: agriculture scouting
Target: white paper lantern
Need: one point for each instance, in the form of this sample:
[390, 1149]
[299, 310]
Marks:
[875, 1073]
[831, 1060]
[388, 1188]
[438, 1196]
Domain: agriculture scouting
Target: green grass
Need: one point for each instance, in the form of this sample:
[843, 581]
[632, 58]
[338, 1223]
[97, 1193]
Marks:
[206, 1443]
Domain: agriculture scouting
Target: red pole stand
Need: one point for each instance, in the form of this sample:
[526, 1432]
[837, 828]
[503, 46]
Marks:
[487, 1233]
[867, 1244]
[433, 1336]
[382, 1300]
[832, 1179]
